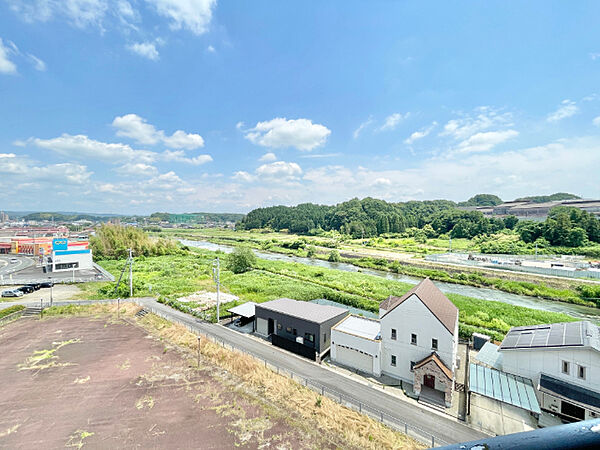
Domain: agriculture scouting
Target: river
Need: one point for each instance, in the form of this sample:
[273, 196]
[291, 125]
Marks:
[577, 311]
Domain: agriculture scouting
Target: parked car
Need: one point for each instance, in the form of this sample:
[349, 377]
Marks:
[12, 293]
[35, 286]
[14, 260]
[26, 289]
[47, 284]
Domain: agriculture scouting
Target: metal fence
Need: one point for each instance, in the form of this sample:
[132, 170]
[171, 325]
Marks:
[325, 391]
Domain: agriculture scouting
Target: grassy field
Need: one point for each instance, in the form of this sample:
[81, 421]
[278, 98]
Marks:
[170, 277]
[398, 256]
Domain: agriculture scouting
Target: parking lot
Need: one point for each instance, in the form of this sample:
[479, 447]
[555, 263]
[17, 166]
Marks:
[59, 292]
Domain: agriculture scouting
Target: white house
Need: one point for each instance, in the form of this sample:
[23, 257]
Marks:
[563, 361]
[415, 340]
[419, 333]
[356, 343]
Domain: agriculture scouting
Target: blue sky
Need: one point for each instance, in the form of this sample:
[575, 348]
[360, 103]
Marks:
[135, 106]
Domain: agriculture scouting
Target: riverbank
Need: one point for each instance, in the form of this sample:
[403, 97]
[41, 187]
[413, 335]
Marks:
[549, 288]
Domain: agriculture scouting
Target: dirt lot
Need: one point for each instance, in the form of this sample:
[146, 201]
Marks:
[97, 383]
[60, 292]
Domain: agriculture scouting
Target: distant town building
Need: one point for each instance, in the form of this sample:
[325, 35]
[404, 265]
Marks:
[3, 217]
[536, 211]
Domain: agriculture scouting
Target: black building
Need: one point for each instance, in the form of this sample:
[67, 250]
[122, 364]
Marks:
[301, 327]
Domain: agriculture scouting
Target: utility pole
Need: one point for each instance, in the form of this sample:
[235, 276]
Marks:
[130, 273]
[216, 278]
[450, 244]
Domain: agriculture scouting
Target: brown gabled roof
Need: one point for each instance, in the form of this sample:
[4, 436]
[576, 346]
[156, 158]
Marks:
[436, 359]
[432, 298]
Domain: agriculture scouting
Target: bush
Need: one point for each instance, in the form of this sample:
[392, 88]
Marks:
[241, 260]
[311, 251]
[334, 256]
[10, 310]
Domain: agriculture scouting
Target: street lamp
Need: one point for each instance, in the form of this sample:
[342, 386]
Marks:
[51, 290]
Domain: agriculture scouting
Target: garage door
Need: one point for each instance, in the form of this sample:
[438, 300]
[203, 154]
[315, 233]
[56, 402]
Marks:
[262, 326]
[353, 358]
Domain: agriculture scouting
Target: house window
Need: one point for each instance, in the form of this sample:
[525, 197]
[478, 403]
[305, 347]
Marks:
[279, 326]
[324, 337]
[581, 372]
[565, 367]
[295, 332]
[412, 365]
[394, 334]
[434, 344]
[288, 329]
[394, 360]
[413, 339]
[309, 337]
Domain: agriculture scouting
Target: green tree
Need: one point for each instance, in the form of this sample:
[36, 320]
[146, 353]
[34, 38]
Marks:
[334, 256]
[510, 222]
[241, 260]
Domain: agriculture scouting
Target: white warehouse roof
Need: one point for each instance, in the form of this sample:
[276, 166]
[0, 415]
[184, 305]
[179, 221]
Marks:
[360, 326]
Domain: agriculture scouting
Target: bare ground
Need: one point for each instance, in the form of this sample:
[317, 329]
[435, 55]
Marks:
[97, 383]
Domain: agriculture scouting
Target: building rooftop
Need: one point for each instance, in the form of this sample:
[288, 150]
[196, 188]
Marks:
[434, 299]
[490, 356]
[244, 310]
[351, 309]
[565, 334]
[504, 387]
[360, 326]
[303, 310]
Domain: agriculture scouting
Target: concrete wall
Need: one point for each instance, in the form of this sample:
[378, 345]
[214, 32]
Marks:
[530, 363]
[499, 418]
[412, 316]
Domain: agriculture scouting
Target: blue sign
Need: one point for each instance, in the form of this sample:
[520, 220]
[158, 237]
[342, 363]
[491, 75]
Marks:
[60, 244]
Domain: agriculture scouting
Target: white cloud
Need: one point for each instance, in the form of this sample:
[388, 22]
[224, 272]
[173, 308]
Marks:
[239, 125]
[279, 170]
[361, 127]
[145, 49]
[281, 132]
[38, 64]
[179, 156]
[468, 124]
[7, 155]
[81, 13]
[211, 49]
[80, 146]
[392, 121]
[193, 15]
[482, 142]
[137, 128]
[243, 176]
[126, 10]
[268, 157]
[596, 121]
[595, 56]
[568, 108]
[13, 169]
[6, 65]
[420, 134]
[137, 169]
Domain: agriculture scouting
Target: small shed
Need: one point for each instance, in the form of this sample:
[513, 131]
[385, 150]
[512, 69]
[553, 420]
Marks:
[245, 311]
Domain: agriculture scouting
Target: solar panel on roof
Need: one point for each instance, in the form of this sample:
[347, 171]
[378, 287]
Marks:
[525, 339]
[556, 336]
[510, 340]
[573, 334]
[540, 337]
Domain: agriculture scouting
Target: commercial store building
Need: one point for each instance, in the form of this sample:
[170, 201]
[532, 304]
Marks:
[297, 326]
[70, 255]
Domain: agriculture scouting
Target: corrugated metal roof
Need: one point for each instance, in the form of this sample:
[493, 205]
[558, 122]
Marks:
[359, 326]
[490, 356]
[504, 387]
[303, 310]
[244, 310]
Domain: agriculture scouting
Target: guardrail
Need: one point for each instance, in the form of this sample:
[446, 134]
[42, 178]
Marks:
[341, 398]
[4, 320]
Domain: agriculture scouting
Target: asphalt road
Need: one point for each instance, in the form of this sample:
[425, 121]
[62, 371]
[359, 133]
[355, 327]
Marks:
[6, 267]
[445, 429]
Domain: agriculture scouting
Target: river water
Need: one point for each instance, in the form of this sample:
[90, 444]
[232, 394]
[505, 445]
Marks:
[577, 311]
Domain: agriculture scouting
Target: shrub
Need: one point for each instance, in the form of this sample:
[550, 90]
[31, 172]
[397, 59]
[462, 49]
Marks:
[241, 260]
[334, 256]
